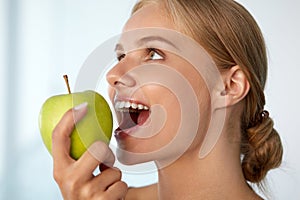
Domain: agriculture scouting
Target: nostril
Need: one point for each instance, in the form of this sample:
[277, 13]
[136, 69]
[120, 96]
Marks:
[117, 83]
[121, 80]
[125, 80]
[112, 78]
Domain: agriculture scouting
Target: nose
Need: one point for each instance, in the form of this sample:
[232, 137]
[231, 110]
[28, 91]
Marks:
[119, 76]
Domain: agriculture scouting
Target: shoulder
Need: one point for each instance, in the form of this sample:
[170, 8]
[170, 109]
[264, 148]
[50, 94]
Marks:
[143, 193]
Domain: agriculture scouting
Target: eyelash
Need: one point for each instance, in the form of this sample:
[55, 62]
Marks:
[152, 51]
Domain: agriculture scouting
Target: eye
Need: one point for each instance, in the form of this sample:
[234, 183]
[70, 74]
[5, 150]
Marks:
[154, 54]
[121, 56]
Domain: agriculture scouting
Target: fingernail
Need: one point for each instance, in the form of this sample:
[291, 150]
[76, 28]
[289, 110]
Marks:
[81, 106]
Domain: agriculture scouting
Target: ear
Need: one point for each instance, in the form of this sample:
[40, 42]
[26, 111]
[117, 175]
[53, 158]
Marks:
[236, 85]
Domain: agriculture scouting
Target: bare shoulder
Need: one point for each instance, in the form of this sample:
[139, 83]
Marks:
[142, 193]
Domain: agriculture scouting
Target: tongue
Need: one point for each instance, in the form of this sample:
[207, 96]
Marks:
[128, 121]
[132, 119]
[143, 116]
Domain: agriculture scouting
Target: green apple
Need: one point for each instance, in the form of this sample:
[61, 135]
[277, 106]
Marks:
[96, 125]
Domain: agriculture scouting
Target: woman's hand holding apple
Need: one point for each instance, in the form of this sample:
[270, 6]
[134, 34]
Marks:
[75, 178]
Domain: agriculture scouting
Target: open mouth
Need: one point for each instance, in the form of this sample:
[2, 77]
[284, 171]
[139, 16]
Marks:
[131, 114]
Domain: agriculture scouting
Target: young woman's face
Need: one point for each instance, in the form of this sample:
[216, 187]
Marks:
[162, 103]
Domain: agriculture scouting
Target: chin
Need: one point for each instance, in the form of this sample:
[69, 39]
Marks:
[163, 157]
[129, 158]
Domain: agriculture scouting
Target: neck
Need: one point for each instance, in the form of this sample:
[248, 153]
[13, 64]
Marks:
[217, 176]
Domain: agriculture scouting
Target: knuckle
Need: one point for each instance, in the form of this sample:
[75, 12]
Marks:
[119, 190]
[72, 183]
[101, 196]
[86, 192]
[118, 173]
[123, 185]
[114, 173]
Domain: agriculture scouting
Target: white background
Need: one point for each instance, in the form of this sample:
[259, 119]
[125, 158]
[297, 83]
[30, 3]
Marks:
[40, 40]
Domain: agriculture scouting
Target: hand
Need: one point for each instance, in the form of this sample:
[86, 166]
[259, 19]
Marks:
[75, 178]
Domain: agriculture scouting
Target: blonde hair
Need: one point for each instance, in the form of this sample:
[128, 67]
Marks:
[232, 37]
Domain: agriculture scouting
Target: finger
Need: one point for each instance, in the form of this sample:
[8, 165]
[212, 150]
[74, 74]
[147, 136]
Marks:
[97, 153]
[107, 178]
[103, 181]
[61, 134]
[117, 191]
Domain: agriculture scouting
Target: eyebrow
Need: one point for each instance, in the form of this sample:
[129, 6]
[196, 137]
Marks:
[144, 40]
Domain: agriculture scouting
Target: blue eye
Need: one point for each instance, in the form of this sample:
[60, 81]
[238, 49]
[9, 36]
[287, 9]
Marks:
[154, 54]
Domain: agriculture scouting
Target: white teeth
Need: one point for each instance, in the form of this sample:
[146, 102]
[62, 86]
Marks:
[134, 105]
[140, 106]
[121, 105]
[117, 105]
[127, 104]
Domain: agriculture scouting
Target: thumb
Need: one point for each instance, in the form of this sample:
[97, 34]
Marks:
[61, 134]
[80, 111]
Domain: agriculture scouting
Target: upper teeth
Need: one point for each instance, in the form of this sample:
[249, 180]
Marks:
[121, 105]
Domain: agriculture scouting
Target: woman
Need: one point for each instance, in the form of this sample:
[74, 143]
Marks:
[216, 161]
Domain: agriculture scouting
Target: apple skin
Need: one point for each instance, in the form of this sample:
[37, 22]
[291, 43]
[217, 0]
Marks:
[96, 125]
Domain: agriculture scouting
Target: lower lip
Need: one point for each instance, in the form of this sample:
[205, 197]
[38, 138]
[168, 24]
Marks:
[123, 134]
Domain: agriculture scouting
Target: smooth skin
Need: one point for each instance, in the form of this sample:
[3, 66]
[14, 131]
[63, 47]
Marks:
[217, 176]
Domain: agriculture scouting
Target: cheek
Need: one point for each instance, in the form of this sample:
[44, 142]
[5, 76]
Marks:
[173, 119]
[173, 107]
[169, 103]
[203, 105]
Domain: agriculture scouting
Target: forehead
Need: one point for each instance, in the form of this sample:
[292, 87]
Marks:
[149, 16]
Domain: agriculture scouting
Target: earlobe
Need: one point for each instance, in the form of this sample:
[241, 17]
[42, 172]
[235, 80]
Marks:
[236, 85]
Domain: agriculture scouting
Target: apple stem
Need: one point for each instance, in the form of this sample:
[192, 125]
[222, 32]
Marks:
[67, 83]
